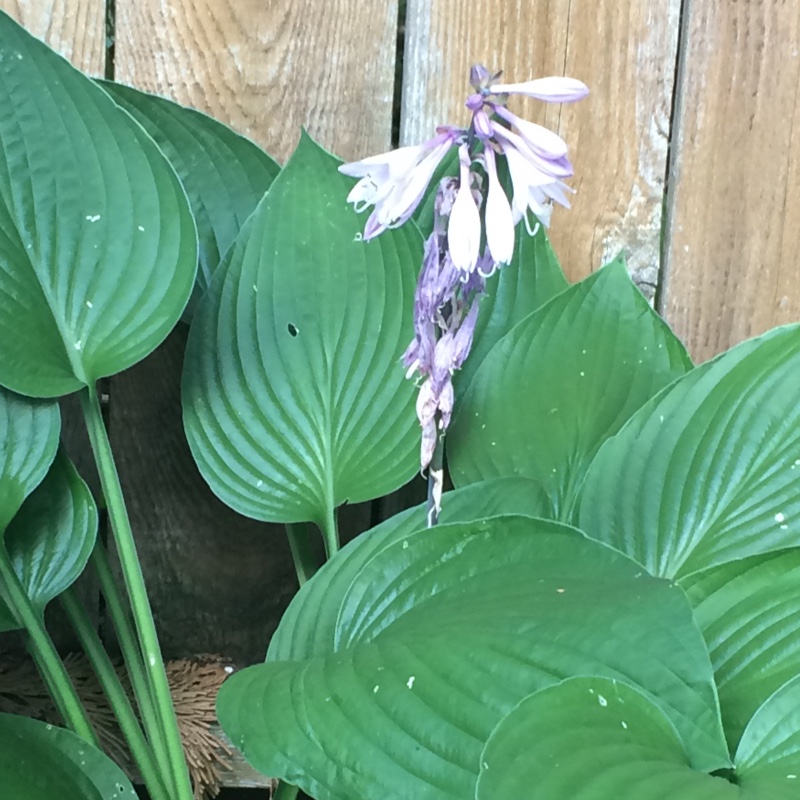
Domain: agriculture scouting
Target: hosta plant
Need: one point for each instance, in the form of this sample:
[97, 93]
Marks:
[605, 604]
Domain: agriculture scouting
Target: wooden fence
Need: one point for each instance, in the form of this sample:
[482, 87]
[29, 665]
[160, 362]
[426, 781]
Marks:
[687, 157]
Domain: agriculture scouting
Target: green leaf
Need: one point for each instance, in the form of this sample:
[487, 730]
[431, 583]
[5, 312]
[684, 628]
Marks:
[562, 381]
[51, 538]
[225, 175]
[309, 625]
[294, 397]
[439, 636]
[707, 472]
[593, 739]
[768, 758]
[602, 740]
[98, 249]
[29, 431]
[533, 277]
[749, 613]
[42, 762]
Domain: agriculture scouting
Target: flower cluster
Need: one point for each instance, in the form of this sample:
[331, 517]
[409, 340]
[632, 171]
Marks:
[474, 221]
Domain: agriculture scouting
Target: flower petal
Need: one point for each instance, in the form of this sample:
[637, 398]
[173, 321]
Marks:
[498, 216]
[552, 90]
[464, 226]
[550, 145]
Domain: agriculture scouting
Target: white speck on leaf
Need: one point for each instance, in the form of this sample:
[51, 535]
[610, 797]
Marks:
[405, 545]
[140, 227]
[375, 689]
[410, 682]
[152, 660]
[561, 591]
[89, 304]
[779, 517]
[624, 724]
[603, 702]
[94, 218]
[78, 344]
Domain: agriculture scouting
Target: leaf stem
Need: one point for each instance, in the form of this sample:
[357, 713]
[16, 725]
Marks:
[120, 704]
[137, 593]
[126, 637]
[285, 791]
[330, 532]
[306, 562]
[44, 652]
[436, 477]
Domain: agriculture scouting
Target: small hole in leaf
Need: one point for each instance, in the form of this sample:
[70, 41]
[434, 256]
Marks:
[293, 331]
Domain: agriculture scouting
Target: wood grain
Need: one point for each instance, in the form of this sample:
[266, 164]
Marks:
[624, 50]
[733, 233]
[269, 68]
[74, 28]
[220, 582]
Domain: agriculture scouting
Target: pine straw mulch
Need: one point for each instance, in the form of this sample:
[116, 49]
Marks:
[194, 686]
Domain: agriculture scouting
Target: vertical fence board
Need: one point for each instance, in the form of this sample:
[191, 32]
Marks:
[218, 581]
[74, 28]
[267, 69]
[624, 50]
[733, 233]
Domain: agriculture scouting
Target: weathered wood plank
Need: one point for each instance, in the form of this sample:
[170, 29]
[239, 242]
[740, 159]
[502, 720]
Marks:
[219, 582]
[74, 28]
[733, 232]
[624, 50]
[269, 68]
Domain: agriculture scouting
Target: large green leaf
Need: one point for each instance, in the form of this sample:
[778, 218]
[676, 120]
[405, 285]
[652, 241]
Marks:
[29, 431]
[560, 383]
[749, 613]
[225, 175]
[51, 538]
[709, 471]
[309, 625]
[596, 739]
[768, 757]
[294, 398]
[440, 635]
[42, 762]
[98, 249]
[533, 277]
[593, 739]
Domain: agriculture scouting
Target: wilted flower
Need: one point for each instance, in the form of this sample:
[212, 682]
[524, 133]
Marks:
[471, 211]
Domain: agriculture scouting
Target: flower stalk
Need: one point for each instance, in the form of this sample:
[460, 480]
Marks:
[473, 231]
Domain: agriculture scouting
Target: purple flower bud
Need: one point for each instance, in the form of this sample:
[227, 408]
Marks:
[478, 76]
[462, 341]
[482, 125]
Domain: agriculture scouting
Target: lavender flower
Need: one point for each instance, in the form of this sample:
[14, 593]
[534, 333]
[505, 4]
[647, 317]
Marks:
[468, 211]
